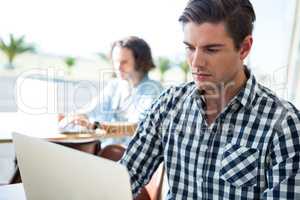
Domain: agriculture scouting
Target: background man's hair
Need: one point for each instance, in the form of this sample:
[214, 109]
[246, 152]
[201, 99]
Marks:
[141, 52]
[238, 16]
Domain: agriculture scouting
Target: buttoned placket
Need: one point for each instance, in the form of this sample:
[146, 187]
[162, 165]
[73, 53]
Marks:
[209, 137]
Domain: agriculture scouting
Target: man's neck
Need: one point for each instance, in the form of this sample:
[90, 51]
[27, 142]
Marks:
[135, 80]
[216, 101]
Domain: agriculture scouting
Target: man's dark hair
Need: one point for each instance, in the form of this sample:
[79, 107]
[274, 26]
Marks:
[140, 50]
[238, 16]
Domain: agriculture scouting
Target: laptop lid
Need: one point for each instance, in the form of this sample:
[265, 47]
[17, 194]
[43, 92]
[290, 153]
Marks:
[50, 171]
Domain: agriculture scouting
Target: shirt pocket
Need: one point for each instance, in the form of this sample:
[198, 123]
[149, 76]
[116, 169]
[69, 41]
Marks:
[239, 165]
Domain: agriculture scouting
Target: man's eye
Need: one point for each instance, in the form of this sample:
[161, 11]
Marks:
[212, 50]
[188, 48]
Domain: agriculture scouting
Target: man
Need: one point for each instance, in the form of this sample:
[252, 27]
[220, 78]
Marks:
[128, 96]
[125, 98]
[222, 136]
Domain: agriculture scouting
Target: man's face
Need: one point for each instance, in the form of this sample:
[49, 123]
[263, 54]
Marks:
[211, 54]
[123, 62]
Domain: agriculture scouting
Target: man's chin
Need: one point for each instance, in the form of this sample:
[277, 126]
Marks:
[206, 86]
[124, 77]
[121, 76]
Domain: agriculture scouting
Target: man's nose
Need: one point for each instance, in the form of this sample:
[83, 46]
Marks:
[198, 59]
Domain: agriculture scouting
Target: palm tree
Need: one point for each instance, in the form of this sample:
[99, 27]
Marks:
[164, 64]
[70, 62]
[184, 66]
[107, 60]
[14, 47]
[103, 57]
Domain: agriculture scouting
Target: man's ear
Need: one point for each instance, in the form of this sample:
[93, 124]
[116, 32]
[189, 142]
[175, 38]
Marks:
[246, 47]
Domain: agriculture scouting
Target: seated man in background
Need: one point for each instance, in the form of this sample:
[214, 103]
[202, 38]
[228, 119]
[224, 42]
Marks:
[127, 97]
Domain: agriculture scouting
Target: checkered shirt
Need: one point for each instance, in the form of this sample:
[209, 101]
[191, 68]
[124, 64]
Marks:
[251, 151]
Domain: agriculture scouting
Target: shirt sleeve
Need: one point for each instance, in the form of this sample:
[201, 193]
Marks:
[102, 110]
[145, 151]
[283, 173]
[148, 93]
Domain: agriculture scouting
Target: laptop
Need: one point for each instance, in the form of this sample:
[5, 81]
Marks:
[54, 172]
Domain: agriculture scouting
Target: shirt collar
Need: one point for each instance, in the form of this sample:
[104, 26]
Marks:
[139, 85]
[198, 96]
[245, 96]
[145, 79]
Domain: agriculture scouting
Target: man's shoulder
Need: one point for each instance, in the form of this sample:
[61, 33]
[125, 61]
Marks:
[172, 96]
[151, 84]
[269, 98]
[285, 117]
[181, 91]
[152, 81]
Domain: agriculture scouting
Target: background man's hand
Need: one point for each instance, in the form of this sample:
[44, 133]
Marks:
[75, 120]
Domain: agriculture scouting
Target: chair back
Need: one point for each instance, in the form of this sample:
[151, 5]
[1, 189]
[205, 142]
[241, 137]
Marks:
[112, 152]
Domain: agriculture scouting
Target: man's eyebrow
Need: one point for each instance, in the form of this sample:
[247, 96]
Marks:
[213, 45]
[206, 46]
[186, 43]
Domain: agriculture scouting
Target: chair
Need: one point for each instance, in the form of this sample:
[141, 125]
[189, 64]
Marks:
[152, 190]
[92, 147]
[112, 152]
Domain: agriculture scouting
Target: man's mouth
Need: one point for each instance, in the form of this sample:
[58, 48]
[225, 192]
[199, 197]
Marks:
[201, 76]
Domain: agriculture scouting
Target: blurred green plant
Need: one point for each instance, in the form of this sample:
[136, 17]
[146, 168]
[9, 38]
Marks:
[104, 57]
[164, 64]
[14, 47]
[184, 66]
[70, 63]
